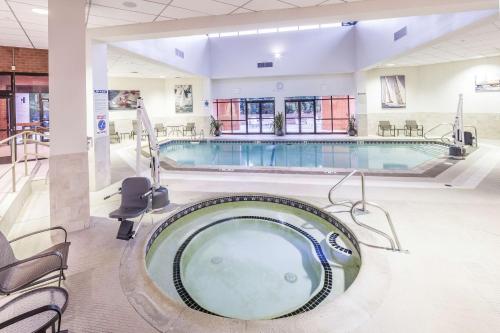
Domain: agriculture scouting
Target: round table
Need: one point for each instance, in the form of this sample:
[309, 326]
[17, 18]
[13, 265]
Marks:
[48, 297]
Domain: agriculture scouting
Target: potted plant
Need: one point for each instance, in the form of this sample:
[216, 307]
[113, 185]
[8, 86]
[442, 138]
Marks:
[353, 131]
[215, 126]
[278, 124]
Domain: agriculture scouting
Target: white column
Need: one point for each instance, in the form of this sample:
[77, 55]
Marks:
[98, 115]
[361, 103]
[68, 162]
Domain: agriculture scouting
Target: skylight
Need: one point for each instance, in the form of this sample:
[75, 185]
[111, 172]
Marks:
[274, 30]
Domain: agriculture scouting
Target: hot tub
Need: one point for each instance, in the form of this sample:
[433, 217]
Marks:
[252, 257]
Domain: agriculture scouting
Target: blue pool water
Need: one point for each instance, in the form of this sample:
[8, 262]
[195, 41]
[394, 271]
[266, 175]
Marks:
[367, 156]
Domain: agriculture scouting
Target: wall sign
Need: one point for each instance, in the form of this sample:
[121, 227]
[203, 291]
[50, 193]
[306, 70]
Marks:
[100, 113]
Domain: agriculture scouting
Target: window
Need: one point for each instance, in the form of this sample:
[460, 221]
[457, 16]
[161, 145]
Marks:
[313, 115]
[245, 115]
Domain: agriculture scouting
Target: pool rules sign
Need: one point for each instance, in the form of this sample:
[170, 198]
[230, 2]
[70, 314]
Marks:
[101, 113]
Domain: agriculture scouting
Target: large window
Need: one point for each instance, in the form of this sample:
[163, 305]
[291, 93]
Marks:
[245, 115]
[312, 114]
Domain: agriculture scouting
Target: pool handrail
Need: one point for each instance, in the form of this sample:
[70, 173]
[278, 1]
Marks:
[394, 240]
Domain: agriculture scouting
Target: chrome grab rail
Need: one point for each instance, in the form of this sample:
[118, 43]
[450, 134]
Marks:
[444, 138]
[394, 240]
[395, 244]
[437, 126]
[27, 137]
[342, 181]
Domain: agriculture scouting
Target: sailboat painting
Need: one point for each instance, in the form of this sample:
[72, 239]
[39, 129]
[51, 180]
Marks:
[393, 91]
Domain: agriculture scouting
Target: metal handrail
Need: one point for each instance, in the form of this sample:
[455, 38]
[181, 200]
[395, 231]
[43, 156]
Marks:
[432, 129]
[342, 181]
[27, 138]
[395, 244]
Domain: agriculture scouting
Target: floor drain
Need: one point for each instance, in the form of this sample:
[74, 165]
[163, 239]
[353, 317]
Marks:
[216, 260]
[290, 277]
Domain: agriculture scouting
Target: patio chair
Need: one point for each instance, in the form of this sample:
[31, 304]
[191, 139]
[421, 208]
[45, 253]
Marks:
[385, 126]
[412, 126]
[190, 129]
[135, 192]
[113, 134]
[160, 128]
[37, 310]
[17, 274]
[134, 130]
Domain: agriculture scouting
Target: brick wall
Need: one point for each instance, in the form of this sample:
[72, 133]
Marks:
[27, 60]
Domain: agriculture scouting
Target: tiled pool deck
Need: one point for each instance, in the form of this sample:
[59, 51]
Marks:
[441, 285]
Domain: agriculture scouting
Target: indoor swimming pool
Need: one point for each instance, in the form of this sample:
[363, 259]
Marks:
[362, 155]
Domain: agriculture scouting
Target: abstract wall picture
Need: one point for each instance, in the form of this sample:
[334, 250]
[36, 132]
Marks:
[184, 98]
[393, 91]
[123, 99]
[488, 83]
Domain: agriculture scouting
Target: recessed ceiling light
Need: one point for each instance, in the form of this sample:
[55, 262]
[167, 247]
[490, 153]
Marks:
[129, 4]
[390, 65]
[40, 11]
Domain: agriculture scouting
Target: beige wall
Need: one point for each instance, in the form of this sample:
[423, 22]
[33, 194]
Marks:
[159, 99]
[432, 96]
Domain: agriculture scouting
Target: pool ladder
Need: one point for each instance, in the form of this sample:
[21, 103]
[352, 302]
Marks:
[394, 240]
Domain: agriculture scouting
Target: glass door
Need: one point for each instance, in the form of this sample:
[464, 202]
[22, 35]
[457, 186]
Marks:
[292, 117]
[307, 122]
[254, 117]
[5, 113]
[267, 113]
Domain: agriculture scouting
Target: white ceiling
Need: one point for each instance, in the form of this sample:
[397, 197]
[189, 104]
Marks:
[477, 42]
[125, 64]
[21, 27]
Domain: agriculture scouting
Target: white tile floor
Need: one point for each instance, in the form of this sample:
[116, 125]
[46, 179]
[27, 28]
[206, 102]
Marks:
[447, 283]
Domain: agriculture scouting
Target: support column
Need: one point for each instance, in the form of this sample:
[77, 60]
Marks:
[98, 115]
[361, 103]
[68, 162]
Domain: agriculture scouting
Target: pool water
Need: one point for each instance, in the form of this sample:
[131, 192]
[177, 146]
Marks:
[269, 271]
[365, 156]
[251, 260]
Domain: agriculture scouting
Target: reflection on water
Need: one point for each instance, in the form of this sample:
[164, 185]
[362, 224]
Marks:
[310, 155]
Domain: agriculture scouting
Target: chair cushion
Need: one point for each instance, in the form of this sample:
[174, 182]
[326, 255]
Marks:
[23, 274]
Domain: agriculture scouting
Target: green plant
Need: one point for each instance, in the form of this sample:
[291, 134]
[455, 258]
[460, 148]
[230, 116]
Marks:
[215, 126]
[278, 122]
[352, 126]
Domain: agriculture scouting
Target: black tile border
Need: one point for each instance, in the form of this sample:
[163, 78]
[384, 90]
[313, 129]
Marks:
[311, 304]
[255, 198]
[332, 242]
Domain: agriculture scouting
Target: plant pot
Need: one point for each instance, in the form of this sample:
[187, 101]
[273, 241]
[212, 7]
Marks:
[352, 132]
[217, 132]
[280, 132]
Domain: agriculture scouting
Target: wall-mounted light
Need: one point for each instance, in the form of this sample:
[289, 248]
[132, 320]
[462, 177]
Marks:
[277, 55]
[40, 11]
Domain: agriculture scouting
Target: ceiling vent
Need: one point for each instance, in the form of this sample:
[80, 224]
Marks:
[400, 33]
[179, 53]
[264, 64]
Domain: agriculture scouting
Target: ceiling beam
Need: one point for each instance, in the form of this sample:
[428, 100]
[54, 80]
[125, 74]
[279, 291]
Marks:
[351, 11]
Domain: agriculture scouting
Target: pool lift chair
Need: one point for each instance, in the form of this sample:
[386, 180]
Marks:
[139, 196]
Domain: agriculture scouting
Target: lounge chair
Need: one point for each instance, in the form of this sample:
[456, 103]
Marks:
[385, 126]
[37, 310]
[412, 126]
[134, 130]
[17, 274]
[160, 128]
[190, 129]
[113, 134]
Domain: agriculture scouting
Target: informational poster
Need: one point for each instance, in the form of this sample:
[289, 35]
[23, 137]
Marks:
[100, 113]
